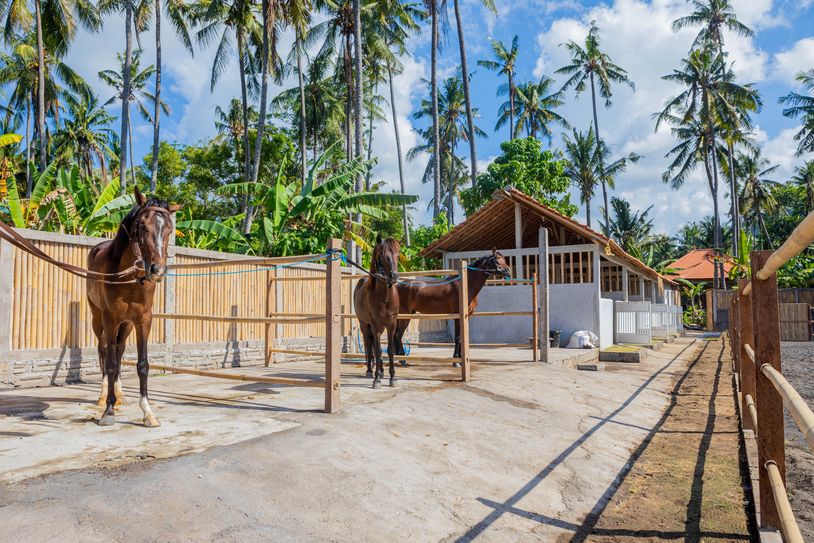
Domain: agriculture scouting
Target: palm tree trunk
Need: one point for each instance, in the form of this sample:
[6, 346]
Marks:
[244, 104]
[436, 143]
[132, 162]
[27, 151]
[765, 231]
[301, 83]
[370, 141]
[359, 101]
[733, 191]
[588, 211]
[157, 114]
[40, 86]
[404, 220]
[128, 60]
[511, 107]
[470, 123]
[601, 160]
[268, 25]
[451, 186]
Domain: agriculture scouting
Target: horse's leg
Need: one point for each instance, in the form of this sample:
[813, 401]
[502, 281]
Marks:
[124, 333]
[377, 352]
[391, 333]
[401, 327]
[143, 369]
[367, 336]
[111, 333]
[457, 351]
[99, 332]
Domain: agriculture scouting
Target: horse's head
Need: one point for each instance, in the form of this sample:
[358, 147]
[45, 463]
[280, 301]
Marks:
[493, 264]
[384, 264]
[149, 226]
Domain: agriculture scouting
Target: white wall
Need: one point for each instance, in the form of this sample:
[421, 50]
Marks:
[502, 329]
[572, 308]
[605, 323]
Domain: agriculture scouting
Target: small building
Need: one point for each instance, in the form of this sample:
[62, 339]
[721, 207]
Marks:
[698, 266]
[592, 283]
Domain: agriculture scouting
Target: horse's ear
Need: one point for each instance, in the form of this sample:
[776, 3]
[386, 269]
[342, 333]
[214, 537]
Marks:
[494, 249]
[140, 198]
[176, 207]
[378, 238]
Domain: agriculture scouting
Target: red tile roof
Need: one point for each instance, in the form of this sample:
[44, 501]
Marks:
[697, 265]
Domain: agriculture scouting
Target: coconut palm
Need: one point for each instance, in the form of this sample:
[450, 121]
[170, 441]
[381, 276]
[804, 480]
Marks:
[804, 178]
[132, 85]
[470, 120]
[505, 63]
[582, 166]
[535, 109]
[178, 14]
[630, 229]
[800, 105]
[435, 13]
[85, 136]
[297, 14]
[757, 197]
[589, 64]
[54, 28]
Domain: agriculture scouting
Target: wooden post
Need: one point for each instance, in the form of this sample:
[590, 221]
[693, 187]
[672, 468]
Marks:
[333, 328]
[770, 424]
[709, 308]
[625, 284]
[6, 296]
[542, 295]
[518, 239]
[169, 301]
[268, 339]
[535, 330]
[463, 290]
[745, 335]
[641, 287]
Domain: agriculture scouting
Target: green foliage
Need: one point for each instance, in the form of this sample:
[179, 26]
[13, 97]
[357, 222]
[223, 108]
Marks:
[421, 237]
[529, 169]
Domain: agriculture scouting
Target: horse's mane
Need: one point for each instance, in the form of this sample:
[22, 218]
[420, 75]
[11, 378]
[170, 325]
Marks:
[390, 244]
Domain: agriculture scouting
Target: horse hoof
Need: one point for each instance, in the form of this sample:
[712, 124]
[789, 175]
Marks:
[369, 374]
[377, 384]
[393, 382]
[151, 422]
[456, 364]
[404, 363]
[107, 420]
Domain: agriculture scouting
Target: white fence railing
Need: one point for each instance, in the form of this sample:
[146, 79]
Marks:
[632, 323]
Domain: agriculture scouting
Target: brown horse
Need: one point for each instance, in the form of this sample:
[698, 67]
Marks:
[376, 301]
[141, 240]
[444, 298]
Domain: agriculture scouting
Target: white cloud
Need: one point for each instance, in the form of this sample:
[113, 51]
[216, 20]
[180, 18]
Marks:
[789, 62]
[638, 36]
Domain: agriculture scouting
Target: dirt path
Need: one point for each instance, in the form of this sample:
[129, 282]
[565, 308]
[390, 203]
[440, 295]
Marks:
[685, 482]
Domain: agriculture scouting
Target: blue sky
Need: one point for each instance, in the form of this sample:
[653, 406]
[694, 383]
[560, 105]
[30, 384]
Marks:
[636, 34]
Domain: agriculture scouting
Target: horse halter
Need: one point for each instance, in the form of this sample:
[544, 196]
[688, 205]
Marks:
[495, 268]
[133, 236]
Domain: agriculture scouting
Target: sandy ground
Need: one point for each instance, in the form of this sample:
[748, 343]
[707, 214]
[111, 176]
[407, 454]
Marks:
[798, 367]
[524, 452]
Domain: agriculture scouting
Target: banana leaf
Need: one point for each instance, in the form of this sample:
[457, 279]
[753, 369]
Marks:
[211, 227]
[10, 139]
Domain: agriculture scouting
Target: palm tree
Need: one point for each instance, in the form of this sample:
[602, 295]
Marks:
[582, 166]
[435, 13]
[800, 105]
[590, 64]
[505, 63]
[470, 120]
[132, 85]
[630, 229]
[297, 14]
[177, 12]
[85, 136]
[757, 197]
[535, 109]
[55, 28]
[804, 178]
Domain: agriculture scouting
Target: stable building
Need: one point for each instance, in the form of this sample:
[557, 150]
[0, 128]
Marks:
[586, 281]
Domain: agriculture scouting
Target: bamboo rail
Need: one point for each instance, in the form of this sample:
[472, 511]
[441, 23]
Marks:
[791, 532]
[248, 320]
[320, 383]
[802, 414]
[798, 241]
[750, 405]
[244, 262]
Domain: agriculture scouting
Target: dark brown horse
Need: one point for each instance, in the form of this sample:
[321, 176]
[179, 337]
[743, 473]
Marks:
[417, 297]
[141, 240]
[376, 302]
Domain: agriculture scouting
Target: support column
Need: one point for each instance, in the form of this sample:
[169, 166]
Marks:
[542, 294]
[745, 334]
[641, 288]
[625, 284]
[463, 296]
[6, 294]
[518, 239]
[770, 424]
[333, 328]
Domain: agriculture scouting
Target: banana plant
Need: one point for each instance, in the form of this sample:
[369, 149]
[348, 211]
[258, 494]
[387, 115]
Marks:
[208, 234]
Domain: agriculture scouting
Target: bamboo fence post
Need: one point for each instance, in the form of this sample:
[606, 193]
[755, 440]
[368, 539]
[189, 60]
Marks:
[333, 326]
[169, 300]
[542, 294]
[770, 424]
[535, 332]
[748, 369]
[463, 289]
[268, 341]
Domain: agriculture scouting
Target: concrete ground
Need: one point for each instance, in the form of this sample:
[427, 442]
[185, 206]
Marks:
[524, 452]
